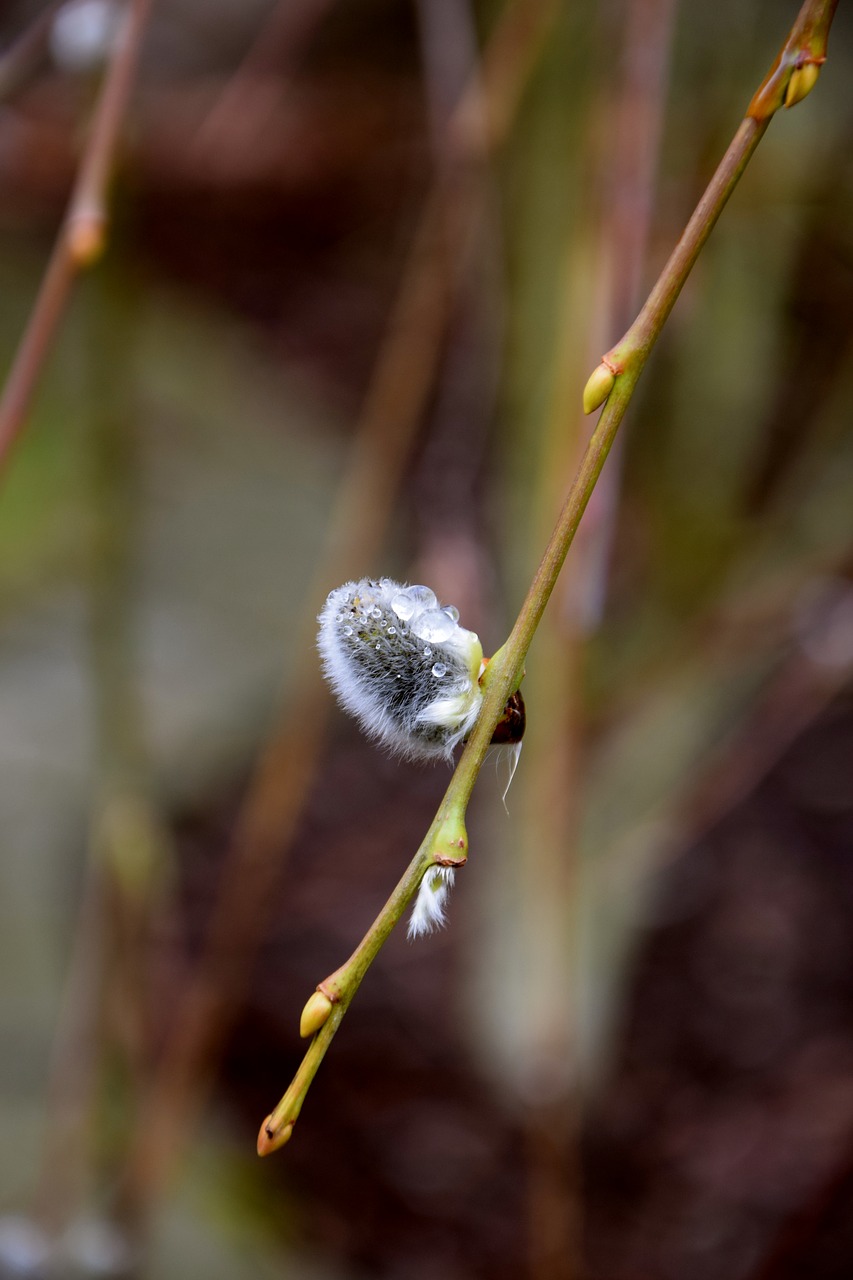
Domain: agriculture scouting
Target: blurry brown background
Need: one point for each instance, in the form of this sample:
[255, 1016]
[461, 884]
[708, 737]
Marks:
[363, 256]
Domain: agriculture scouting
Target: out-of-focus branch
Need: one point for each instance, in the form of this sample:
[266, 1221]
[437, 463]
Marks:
[797, 690]
[627, 108]
[81, 238]
[281, 38]
[21, 59]
[105, 1012]
[486, 113]
[401, 382]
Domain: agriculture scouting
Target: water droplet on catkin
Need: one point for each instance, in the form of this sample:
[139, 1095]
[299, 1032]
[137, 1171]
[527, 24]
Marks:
[434, 626]
[403, 606]
[422, 597]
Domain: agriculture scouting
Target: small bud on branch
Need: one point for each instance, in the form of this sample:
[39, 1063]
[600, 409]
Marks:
[316, 1011]
[803, 80]
[598, 387]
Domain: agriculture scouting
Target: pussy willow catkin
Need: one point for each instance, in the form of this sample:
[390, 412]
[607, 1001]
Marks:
[410, 674]
[402, 665]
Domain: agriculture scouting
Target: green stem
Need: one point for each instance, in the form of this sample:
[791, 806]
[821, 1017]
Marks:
[637, 343]
[445, 844]
[621, 369]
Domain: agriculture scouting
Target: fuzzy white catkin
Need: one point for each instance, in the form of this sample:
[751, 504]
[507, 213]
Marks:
[402, 665]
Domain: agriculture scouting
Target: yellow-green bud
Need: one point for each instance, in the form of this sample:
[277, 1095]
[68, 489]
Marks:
[803, 80]
[316, 1011]
[598, 387]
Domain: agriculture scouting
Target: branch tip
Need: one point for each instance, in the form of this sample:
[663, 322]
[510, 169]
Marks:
[271, 1139]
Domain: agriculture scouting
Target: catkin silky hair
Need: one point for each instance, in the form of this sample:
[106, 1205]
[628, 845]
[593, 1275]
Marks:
[402, 665]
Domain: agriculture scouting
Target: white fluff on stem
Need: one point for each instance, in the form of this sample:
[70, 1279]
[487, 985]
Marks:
[428, 913]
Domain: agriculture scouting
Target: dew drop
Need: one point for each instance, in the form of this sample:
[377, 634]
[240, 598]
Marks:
[434, 626]
[347, 631]
[402, 606]
[422, 597]
[427, 652]
[439, 670]
[392, 631]
[452, 612]
[376, 612]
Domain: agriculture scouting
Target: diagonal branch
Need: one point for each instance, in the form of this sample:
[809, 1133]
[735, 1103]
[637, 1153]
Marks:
[792, 75]
[82, 236]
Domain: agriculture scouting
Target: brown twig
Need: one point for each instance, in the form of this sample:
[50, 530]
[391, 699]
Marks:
[22, 58]
[82, 235]
[281, 39]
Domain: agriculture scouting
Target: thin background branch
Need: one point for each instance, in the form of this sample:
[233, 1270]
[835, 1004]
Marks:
[82, 236]
[402, 380]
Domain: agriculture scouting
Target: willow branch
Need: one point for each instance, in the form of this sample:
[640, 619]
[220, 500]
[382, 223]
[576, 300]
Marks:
[791, 77]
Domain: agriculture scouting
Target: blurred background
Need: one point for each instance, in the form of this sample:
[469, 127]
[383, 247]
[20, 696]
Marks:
[361, 259]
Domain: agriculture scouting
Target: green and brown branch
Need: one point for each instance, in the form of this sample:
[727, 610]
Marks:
[611, 384]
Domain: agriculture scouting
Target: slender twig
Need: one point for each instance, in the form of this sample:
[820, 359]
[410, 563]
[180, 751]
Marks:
[547, 866]
[22, 57]
[272, 54]
[82, 236]
[614, 382]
